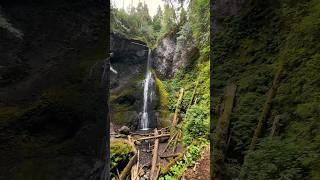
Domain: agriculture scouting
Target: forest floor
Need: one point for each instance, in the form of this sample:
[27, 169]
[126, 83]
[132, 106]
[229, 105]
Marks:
[201, 169]
[145, 149]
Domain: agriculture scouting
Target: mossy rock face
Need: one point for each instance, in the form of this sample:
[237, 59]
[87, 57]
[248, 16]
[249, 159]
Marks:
[162, 107]
[126, 93]
[165, 119]
[127, 118]
[126, 102]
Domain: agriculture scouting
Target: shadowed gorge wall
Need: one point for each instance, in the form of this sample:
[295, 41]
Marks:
[54, 89]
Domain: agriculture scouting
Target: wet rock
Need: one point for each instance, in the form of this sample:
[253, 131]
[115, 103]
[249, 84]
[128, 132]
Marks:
[124, 130]
[166, 61]
[126, 90]
[163, 139]
[146, 175]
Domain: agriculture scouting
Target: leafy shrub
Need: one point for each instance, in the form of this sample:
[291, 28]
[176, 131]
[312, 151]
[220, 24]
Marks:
[196, 123]
[278, 159]
[192, 154]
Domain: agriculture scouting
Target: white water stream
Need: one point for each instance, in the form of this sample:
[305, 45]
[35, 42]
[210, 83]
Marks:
[147, 95]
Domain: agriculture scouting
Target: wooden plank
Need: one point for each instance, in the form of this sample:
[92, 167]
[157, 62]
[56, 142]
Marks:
[154, 156]
[153, 137]
[126, 171]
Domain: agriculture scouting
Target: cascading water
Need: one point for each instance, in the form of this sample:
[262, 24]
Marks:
[147, 95]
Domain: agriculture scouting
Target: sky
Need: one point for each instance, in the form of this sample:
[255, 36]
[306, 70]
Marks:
[152, 4]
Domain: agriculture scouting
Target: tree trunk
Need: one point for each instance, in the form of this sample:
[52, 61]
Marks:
[220, 137]
[266, 109]
[175, 117]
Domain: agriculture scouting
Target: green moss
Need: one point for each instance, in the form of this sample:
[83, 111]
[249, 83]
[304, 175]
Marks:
[120, 118]
[7, 112]
[249, 52]
[163, 94]
[164, 101]
[120, 154]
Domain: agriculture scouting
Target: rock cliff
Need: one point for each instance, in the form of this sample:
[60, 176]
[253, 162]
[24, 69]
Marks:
[129, 63]
[53, 92]
[166, 61]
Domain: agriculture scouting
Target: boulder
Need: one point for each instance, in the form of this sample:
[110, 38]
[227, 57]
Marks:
[124, 130]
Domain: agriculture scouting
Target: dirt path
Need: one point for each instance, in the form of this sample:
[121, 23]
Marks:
[202, 168]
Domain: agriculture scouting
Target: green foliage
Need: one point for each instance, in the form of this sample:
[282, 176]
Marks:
[192, 154]
[279, 159]
[184, 37]
[168, 21]
[136, 25]
[245, 118]
[196, 123]
[192, 29]
[157, 21]
[248, 52]
[120, 153]
[199, 19]
[187, 79]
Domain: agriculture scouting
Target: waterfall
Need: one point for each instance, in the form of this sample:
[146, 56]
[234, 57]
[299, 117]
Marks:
[147, 95]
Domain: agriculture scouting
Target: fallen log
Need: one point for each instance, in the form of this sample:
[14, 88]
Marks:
[166, 169]
[157, 173]
[140, 134]
[169, 155]
[169, 142]
[193, 94]
[125, 172]
[266, 108]
[176, 141]
[221, 133]
[175, 117]
[130, 141]
[135, 169]
[135, 172]
[154, 157]
[175, 144]
[153, 137]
